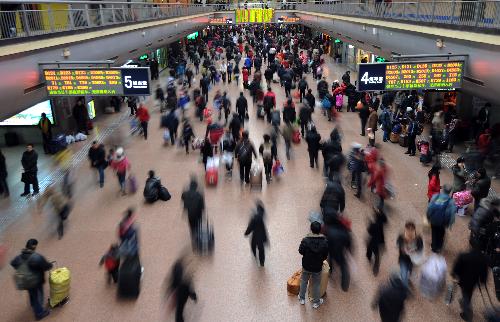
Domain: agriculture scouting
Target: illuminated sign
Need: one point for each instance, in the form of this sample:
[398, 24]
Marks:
[218, 21]
[288, 19]
[338, 41]
[144, 57]
[443, 75]
[192, 36]
[98, 81]
[254, 15]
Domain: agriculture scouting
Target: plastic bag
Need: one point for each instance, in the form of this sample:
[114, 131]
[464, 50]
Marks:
[166, 135]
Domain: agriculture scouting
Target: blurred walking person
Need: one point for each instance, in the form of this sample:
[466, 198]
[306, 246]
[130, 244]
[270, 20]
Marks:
[4, 187]
[97, 157]
[257, 228]
[339, 244]
[194, 204]
[244, 150]
[59, 202]
[143, 116]
[120, 163]
[376, 240]
[390, 299]
[29, 162]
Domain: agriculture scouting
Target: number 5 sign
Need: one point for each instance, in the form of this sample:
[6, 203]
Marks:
[136, 81]
[371, 77]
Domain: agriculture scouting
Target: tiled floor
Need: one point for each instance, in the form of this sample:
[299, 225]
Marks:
[230, 285]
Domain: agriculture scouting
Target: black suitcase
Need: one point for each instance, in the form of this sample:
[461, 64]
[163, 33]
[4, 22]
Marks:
[11, 139]
[129, 278]
[58, 143]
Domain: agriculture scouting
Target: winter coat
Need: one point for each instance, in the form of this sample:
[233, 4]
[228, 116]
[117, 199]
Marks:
[314, 250]
[152, 189]
[459, 178]
[305, 115]
[449, 212]
[29, 161]
[483, 216]
[481, 188]
[376, 230]
[391, 300]
[333, 197]
[120, 166]
[143, 114]
[257, 228]
[194, 203]
[313, 139]
[97, 156]
[377, 179]
[36, 262]
[339, 241]
[289, 114]
[433, 187]
[241, 105]
[470, 269]
[372, 121]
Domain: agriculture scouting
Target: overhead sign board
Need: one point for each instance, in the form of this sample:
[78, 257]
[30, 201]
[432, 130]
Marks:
[443, 75]
[98, 81]
[254, 15]
[286, 19]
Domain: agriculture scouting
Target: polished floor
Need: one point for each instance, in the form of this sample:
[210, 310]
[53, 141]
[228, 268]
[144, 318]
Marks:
[230, 285]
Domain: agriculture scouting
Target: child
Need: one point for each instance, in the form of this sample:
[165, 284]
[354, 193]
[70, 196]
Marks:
[376, 238]
[111, 262]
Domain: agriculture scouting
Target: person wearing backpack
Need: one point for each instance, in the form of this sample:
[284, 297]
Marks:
[441, 214]
[269, 153]
[386, 122]
[269, 103]
[30, 276]
[413, 129]
[152, 187]
[243, 152]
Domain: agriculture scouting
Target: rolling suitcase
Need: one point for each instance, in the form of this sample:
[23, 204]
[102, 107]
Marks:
[129, 278]
[11, 139]
[403, 140]
[211, 177]
[59, 281]
[58, 143]
[205, 240]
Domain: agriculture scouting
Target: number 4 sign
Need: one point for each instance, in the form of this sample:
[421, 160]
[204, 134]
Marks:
[371, 77]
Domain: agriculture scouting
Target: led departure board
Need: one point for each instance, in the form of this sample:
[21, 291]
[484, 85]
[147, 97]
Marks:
[443, 75]
[97, 81]
[254, 15]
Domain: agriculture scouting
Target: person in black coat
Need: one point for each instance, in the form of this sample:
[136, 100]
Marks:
[313, 139]
[194, 204]
[4, 187]
[235, 126]
[311, 100]
[376, 238]
[81, 116]
[305, 118]
[152, 187]
[329, 149]
[38, 265]
[364, 113]
[97, 157]
[339, 243]
[29, 162]
[470, 270]
[257, 228]
[390, 299]
[242, 108]
[481, 186]
[333, 200]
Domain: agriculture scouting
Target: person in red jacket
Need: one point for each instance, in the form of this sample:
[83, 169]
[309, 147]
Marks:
[245, 78]
[484, 142]
[143, 117]
[377, 181]
[434, 185]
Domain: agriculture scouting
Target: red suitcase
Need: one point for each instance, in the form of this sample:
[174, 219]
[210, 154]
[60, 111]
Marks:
[211, 177]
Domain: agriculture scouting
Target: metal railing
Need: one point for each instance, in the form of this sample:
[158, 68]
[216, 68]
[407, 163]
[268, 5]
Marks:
[25, 18]
[471, 13]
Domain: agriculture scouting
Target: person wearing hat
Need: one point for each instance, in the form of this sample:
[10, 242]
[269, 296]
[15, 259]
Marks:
[441, 215]
[37, 265]
[121, 165]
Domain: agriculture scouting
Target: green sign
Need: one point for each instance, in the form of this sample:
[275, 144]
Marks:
[380, 59]
[338, 41]
[144, 57]
[192, 36]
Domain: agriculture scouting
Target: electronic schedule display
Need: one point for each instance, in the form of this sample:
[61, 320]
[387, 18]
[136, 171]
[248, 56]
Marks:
[97, 81]
[442, 75]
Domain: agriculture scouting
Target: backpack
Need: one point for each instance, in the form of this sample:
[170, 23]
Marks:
[268, 101]
[24, 277]
[437, 214]
[275, 118]
[267, 153]
[244, 152]
[326, 104]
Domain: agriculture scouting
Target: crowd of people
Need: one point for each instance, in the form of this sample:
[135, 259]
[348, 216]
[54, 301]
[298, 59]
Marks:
[279, 58]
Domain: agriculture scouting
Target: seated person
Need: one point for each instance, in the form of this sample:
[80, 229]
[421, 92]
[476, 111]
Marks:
[152, 187]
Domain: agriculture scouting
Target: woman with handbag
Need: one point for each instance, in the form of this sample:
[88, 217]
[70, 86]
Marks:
[121, 165]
